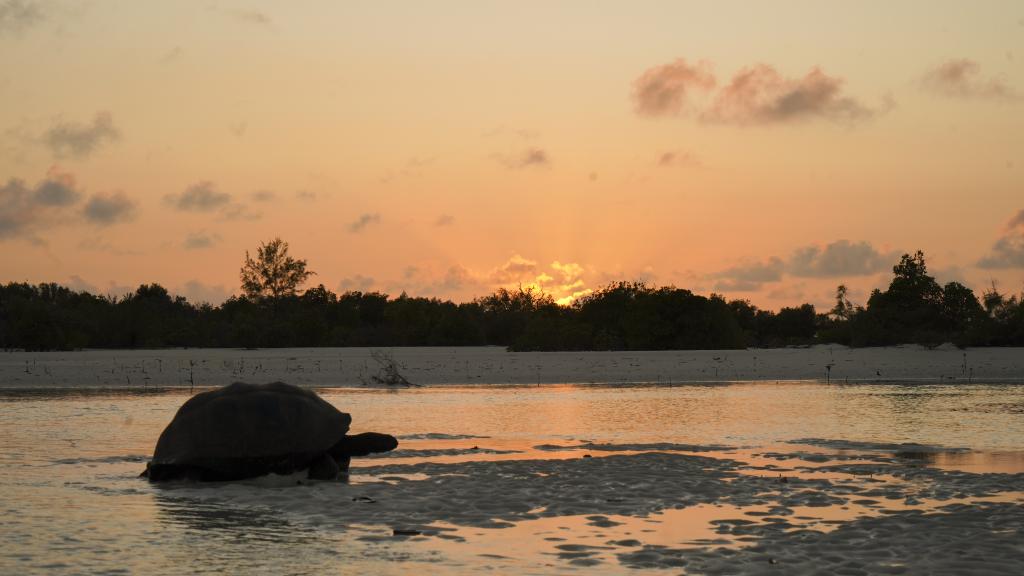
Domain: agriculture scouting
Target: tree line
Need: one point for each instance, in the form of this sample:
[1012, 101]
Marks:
[272, 312]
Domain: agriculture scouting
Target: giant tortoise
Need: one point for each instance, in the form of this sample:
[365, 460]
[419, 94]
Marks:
[248, 430]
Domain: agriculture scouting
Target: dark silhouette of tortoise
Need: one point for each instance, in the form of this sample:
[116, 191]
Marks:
[248, 430]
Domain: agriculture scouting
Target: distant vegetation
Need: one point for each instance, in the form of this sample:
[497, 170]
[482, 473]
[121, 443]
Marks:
[620, 316]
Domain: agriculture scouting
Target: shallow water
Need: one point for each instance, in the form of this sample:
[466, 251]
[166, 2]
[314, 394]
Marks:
[862, 478]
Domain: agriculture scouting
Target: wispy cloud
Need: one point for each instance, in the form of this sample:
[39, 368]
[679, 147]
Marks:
[662, 90]
[363, 221]
[200, 240]
[252, 17]
[199, 197]
[757, 94]
[74, 140]
[16, 16]
[532, 157]
[444, 220]
[679, 159]
[761, 95]
[961, 78]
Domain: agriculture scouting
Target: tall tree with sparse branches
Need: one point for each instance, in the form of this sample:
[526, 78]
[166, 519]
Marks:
[273, 274]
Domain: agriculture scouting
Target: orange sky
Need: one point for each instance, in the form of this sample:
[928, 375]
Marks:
[767, 151]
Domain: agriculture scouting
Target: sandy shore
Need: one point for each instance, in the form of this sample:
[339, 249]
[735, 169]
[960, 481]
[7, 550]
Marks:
[354, 367]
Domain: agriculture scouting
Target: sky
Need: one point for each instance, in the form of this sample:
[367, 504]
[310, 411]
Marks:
[766, 151]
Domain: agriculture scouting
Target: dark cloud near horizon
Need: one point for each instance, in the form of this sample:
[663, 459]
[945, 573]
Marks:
[363, 221]
[662, 90]
[197, 293]
[761, 95]
[1008, 250]
[16, 16]
[263, 196]
[199, 197]
[444, 220]
[73, 140]
[961, 78]
[838, 259]
[750, 276]
[110, 208]
[357, 283]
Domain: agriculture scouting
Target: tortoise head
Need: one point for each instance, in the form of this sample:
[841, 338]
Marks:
[363, 444]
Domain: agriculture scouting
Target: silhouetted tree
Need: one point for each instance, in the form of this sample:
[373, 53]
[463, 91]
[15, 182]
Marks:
[273, 274]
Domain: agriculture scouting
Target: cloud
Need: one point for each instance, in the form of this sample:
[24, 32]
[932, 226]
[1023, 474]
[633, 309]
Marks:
[172, 55]
[563, 281]
[252, 17]
[530, 158]
[662, 90]
[444, 220]
[57, 190]
[363, 221]
[838, 259]
[98, 244]
[792, 293]
[80, 140]
[197, 292]
[305, 195]
[240, 212]
[24, 209]
[199, 197]
[1016, 221]
[677, 159]
[200, 240]
[110, 208]
[456, 278]
[515, 269]
[749, 277]
[760, 95]
[17, 16]
[77, 284]
[357, 283]
[263, 196]
[1008, 250]
[961, 78]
